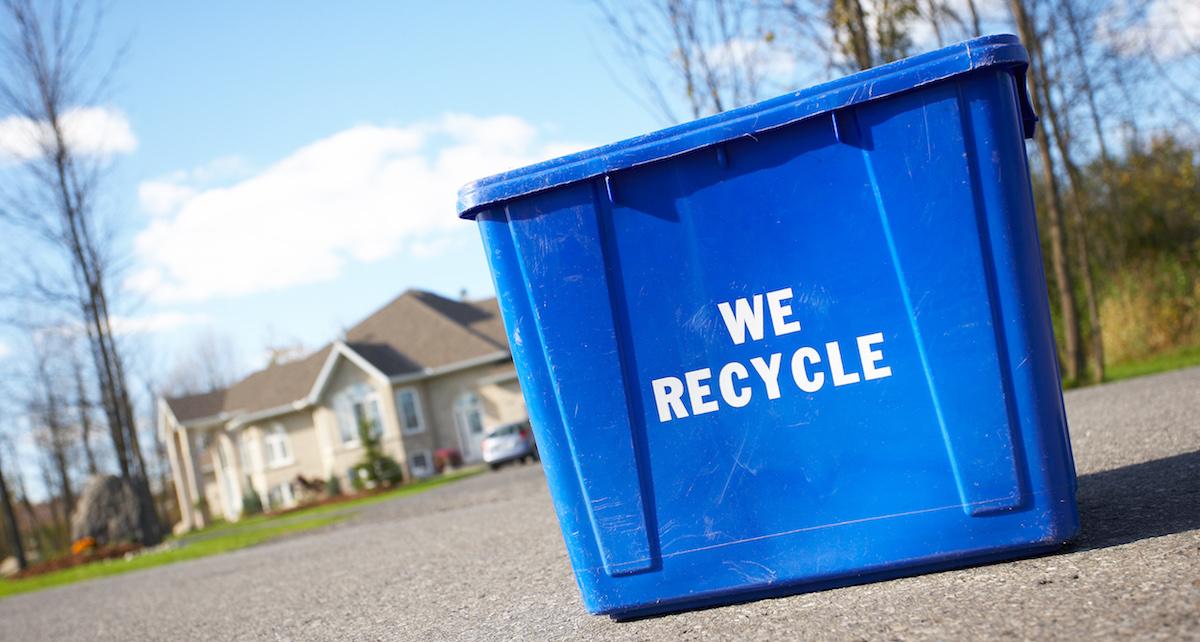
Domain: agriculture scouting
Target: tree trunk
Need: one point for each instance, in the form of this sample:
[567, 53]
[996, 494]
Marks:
[976, 27]
[61, 521]
[849, 23]
[1080, 233]
[935, 21]
[48, 411]
[35, 525]
[1073, 357]
[64, 480]
[83, 408]
[10, 522]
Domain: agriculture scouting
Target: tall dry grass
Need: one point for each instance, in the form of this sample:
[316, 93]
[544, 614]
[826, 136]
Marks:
[1151, 308]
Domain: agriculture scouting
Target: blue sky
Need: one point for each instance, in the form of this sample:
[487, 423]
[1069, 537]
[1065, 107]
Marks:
[236, 110]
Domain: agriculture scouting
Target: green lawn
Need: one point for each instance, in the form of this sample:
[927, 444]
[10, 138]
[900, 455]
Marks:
[1173, 360]
[225, 537]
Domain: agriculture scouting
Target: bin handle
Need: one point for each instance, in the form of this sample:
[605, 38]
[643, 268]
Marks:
[1029, 118]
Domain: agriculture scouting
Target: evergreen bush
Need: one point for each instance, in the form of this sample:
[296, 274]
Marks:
[251, 502]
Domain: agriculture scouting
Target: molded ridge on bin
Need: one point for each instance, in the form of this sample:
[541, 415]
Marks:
[567, 285]
[793, 346]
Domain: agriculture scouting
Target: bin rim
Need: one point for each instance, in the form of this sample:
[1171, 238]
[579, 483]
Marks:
[999, 50]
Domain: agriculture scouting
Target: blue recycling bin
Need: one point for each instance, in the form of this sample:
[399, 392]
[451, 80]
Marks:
[796, 345]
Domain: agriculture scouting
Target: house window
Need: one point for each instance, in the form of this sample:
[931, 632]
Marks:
[470, 414]
[281, 496]
[367, 410]
[279, 450]
[419, 464]
[359, 404]
[408, 406]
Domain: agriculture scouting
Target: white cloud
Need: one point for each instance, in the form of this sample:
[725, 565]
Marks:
[1172, 27]
[5, 350]
[218, 169]
[157, 322]
[1168, 29]
[91, 131]
[123, 326]
[362, 194]
[166, 195]
[163, 197]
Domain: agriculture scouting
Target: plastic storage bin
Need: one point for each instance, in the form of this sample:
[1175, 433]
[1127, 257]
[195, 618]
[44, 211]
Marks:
[792, 346]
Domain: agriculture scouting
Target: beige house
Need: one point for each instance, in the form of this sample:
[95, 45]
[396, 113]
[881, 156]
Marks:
[425, 372]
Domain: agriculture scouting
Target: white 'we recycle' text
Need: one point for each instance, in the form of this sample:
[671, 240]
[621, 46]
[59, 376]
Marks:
[746, 320]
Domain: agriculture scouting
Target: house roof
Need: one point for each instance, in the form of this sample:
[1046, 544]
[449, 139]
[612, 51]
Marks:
[199, 406]
[414, 333]
[276, 385]
[421, 330]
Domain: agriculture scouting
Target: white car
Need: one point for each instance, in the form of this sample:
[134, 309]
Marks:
[510, 442]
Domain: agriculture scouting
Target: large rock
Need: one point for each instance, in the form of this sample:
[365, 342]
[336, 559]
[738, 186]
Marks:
[107, 512]
[9, 567]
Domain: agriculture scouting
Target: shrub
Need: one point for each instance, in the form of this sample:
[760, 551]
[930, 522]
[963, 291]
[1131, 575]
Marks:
[380, 471]
[444, 458]
[82, 545]
[376, 468]
[388, 471]
[357, 482]
[333, 487]
[251, 502]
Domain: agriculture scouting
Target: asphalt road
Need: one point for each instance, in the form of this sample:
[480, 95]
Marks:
[483, 559]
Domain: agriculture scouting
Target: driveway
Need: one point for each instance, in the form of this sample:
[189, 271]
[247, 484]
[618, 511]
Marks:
[483, 559]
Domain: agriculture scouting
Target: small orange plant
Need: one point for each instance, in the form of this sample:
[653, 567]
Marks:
[82, 545]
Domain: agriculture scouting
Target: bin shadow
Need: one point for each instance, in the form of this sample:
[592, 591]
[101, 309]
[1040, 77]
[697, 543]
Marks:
[1139, 501]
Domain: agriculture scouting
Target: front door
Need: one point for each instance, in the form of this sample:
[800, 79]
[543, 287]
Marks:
[468, 417]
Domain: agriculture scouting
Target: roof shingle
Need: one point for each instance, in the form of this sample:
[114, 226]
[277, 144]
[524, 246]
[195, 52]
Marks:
[198, 406]
[420, 330]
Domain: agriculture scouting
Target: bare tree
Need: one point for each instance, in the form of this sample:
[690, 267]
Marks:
[58, 537]
[83, 410]
[715, 54]
[47, 54]
[860, 34]
[10, 520]
[48, 423]
[1056, 120]
[1057, 229]
[21, 494]
[210, 362]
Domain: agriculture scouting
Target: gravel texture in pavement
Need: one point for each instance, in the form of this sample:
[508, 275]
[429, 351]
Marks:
[483, 559]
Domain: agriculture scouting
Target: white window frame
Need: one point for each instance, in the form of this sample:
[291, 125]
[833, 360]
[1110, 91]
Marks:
[426, 470]
[470, 448]
[287, 497]
[420, 412]
[472, 402]
[343, 411]
[277, 435]
[349, 401]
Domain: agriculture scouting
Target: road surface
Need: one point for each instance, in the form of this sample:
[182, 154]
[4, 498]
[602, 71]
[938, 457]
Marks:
[483, 559]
